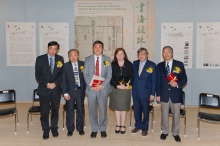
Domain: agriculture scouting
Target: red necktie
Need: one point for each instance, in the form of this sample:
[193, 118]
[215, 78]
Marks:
[97, 67]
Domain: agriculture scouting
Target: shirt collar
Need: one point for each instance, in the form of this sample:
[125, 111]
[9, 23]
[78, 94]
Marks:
[75, 63]
[50, 56]
[98, 56]
[170, 62]
[143, 63]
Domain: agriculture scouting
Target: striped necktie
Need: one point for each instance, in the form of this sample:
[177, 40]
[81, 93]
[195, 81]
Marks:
[76, 75]
[51, 65]
[168, 69]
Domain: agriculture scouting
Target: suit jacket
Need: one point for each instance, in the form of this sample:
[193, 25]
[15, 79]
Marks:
[68, 79]
[145, 84]
[89, 71]
[43, 75]
[164, 89]
[127, 73]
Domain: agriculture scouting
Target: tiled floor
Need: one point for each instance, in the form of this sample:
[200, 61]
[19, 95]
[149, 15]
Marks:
[210, 133]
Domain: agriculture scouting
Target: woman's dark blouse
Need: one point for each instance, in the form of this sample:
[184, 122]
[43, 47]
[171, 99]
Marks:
[118, 73]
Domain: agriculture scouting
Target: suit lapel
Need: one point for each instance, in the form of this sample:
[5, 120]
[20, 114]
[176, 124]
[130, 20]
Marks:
[145, 66]
[47, 62]
[80, 72]
[173, 65]
[71, 70]
[55, 69]
[137, 69]
[92, 63]
[102, 66]
[164, 68]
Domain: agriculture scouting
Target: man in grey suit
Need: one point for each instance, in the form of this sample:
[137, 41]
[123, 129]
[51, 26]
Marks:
[98, 64]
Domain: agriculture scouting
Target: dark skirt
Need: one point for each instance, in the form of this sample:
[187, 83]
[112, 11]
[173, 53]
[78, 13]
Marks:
[120, 100]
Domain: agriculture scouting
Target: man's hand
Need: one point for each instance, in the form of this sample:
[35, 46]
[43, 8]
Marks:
[67, 97]
[97, 88]
[151, 98]
[94, 88]
[158, 99]
[173, 83]
[51, 85]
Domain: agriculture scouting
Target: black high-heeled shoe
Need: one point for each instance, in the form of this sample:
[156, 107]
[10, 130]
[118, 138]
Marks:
[117, 131]
[123, 132]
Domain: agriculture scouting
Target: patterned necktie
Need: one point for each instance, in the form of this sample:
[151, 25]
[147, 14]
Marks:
[51, 65]
[140, 70]
[76, 75]
[168, 69]
[97, 67]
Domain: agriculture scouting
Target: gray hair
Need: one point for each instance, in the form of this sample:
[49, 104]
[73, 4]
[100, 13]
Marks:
[142, 49]
[169, 48]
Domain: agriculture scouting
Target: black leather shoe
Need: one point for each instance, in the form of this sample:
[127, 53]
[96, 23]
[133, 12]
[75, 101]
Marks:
[69, 133]
[93, 134]
[103, 134]
[55, 133]
[46, 135]
[177, 138]
[81, 132]
[163, 136]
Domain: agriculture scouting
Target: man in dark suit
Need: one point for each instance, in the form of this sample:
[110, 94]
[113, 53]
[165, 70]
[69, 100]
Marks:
[143, 90]
[73, 88]
[48, 69]
[170, 92]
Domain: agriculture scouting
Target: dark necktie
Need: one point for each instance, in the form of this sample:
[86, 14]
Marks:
[51, 65]
[76, 75]
[168, 69]
[97, 67]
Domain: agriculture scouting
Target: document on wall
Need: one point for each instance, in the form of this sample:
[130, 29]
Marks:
[128, 24]
[208, 45]
[58, 32]
[20, 43]
[180, 37]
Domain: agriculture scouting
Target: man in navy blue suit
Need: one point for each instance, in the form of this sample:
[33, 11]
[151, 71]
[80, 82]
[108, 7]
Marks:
[170, 92]
[73, 88]
[143, 90]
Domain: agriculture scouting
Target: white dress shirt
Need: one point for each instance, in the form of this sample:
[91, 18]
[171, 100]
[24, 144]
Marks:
[53, 59]
[170, 65]
[142, 63]
[100, 63]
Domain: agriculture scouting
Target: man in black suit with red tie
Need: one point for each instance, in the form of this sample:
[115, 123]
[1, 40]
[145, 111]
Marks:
[170, 92]
[73, 88]
[48, 69]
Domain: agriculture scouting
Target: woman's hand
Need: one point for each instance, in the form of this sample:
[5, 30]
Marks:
[122, 87]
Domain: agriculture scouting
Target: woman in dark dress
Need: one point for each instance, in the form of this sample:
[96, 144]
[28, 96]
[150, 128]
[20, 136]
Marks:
[120, 97]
